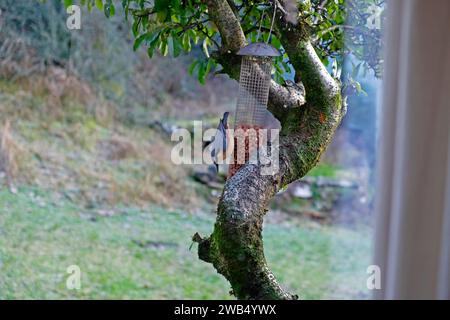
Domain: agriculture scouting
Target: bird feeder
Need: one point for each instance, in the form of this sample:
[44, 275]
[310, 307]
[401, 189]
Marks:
[251, 109]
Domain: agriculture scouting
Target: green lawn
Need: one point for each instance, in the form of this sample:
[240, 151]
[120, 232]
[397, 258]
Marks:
[145, 254]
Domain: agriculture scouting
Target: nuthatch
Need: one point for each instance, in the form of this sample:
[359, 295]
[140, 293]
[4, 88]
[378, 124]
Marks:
[220, 142]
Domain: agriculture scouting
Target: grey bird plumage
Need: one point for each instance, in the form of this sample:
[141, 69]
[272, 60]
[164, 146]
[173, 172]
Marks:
[220, 143]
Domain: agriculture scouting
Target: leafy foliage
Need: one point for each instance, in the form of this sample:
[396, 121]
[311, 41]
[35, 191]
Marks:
[338, 28]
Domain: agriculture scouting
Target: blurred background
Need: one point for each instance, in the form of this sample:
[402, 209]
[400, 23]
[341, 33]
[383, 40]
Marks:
[86, 177]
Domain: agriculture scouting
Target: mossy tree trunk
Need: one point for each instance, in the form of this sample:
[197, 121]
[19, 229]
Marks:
[309, 112]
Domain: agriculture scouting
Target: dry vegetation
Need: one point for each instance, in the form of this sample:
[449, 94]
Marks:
[13, 155]
[56, 133]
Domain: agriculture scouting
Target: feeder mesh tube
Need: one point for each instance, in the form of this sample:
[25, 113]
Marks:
[251, 110]
[254, 83]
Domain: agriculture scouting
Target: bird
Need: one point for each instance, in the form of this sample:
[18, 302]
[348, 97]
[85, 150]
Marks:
[221, 145]
[220, 141]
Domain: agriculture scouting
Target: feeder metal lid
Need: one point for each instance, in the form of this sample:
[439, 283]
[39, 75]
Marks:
[259, 49]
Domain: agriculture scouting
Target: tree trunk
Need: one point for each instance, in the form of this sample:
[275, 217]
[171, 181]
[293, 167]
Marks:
[235, 248]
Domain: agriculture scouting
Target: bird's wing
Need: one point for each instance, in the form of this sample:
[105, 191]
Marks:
[222, 129]
[224, 142]
[217, 144]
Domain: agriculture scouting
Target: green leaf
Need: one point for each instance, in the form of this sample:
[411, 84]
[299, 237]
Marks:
[202, 72]
[193, 35]
[209, 66]
[68, 3]
[175, 4]
[175, 46]
[109, 8]
[153, 42]
[126, 7]
[135, 27]
[186, 42]
[162, 8]
[164, 47]
[276, 42]
[150, 52]
[162, 15]
[139, 40]
[192, 67]
[99, 4]
[161, 5]
[206, 42]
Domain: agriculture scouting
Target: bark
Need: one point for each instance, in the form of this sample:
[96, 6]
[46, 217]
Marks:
[235, 248]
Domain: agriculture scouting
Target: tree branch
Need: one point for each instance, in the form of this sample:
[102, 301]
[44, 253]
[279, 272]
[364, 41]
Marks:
[230, 30]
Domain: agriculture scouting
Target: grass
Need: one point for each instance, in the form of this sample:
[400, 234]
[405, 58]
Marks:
[137, 254]
[324, 170]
